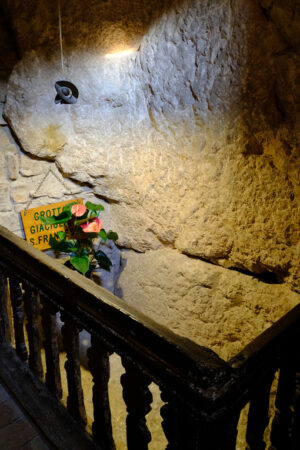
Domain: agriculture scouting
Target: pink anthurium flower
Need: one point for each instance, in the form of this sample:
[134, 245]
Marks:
[78, 210]
[94, 226]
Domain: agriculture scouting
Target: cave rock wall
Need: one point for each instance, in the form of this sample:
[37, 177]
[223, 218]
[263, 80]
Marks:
[185, 126]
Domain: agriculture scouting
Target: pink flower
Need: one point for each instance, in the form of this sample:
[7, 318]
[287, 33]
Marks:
[78, 210]
[94, 226]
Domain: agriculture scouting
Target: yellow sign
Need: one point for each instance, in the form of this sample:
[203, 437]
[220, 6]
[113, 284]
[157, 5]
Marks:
[36, 232]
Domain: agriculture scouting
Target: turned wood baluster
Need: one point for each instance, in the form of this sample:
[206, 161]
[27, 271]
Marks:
[138, 399]
[99, 366]
[258, 416]
[4, 321]
[75, 403]
[16, 302]
[34, 340]
[53, 378]
[285, 433]
[296, 409]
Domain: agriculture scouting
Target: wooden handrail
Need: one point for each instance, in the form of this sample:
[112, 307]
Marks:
[177, 361]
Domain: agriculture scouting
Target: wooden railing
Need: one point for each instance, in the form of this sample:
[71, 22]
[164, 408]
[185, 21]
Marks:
[203, 394]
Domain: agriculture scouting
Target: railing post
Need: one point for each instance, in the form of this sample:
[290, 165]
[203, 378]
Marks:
[187, 430]
[296, 406]
[98, 356]
[258, 416]
[138, 399]
[222, 434]
[75, 404]
[53, 378]
[285, 431]
[16, 302]
[181, 430]
[32, 327]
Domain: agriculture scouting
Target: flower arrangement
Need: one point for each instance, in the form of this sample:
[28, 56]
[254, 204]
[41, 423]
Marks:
[82, 228]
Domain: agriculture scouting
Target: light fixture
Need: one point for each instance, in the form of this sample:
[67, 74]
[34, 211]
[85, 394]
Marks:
[67, 92]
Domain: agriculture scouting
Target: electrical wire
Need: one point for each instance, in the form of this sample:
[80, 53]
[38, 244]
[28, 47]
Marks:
[60, 39]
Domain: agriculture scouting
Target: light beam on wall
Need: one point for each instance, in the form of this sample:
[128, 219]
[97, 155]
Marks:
[119, 54]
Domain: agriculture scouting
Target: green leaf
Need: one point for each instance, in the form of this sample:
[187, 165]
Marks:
[80, 263]
[61, 235]
[94, 207]
[103, 235]
[62, 246]
[69, 206]
[45, 220]
[103, 260]
[63, 217]
[112, 235]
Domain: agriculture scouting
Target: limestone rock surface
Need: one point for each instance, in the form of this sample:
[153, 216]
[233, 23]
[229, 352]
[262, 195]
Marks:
[191, 137]
[186, 128]
[2, 120]
[216, 307]
[12, 161]
[5, 203]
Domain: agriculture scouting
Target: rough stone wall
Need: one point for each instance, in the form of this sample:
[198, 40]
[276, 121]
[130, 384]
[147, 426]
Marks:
[221, 309]
[190, 139]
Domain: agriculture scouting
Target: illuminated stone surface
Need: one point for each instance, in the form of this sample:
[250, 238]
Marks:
[5, 203]
[190, 140]
[206, 303]
[185, 135]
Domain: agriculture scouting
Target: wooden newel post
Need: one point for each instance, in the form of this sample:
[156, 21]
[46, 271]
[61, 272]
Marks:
[180, 427]
[185, 430]
[222, 434]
